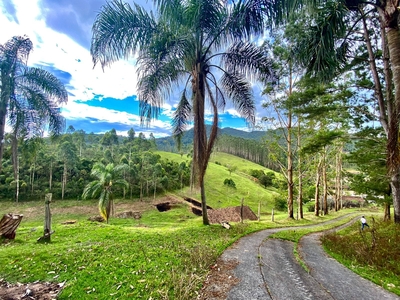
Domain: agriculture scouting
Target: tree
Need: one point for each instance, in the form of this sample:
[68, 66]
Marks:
[329, 45]
[191, 42]
[107, 178]
[29, 97]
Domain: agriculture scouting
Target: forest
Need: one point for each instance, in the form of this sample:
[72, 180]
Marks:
[62, 166]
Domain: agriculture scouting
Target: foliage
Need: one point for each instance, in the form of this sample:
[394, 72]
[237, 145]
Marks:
[206, 45]
[280, 203]
[229, 183]
[108, 177]
[370, 252]
[30, 97]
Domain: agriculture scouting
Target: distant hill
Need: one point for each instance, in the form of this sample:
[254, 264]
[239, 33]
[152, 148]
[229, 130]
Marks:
[168, 143]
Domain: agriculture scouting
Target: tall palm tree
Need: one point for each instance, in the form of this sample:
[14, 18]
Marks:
[102, 187]
[202, 47]
[29, 97]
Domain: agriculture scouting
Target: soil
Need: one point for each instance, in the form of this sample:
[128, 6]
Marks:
[35, 290]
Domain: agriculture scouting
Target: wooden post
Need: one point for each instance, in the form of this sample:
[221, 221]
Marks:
[47, 220]
[272, 215]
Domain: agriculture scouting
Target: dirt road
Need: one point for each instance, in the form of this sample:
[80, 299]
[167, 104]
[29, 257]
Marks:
[267, 269]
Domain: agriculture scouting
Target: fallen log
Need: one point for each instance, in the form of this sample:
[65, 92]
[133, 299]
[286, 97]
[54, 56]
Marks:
[9, 224]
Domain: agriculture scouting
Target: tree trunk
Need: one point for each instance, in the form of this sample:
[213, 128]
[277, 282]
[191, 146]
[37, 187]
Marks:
[317, 184]
[290, 166]
[64, 181]
[325, 184]
[389, 14]
[300, 187]
[51, 175]
[386, 216]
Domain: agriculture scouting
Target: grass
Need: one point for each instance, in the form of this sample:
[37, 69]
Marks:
[218, 195]
[372, 253]
[162, 256]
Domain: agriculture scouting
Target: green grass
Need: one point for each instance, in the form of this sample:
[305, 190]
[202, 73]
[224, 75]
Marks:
[218, 195]
[372, 253]
[162, 256]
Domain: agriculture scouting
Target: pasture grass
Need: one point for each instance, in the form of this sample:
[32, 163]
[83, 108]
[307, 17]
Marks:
[161, 256]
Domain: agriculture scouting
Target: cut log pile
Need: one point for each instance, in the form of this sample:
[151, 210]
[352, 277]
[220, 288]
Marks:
[9, 224]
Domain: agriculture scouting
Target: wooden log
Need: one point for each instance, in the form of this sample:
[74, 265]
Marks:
[9, 224]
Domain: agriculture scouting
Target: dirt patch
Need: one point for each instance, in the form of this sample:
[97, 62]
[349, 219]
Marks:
[35, 290]
[230, 214]
[219, 281]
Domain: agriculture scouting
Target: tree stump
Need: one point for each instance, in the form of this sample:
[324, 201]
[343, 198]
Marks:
[9, 224]
[47, 220]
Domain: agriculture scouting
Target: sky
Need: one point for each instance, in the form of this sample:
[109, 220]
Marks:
[99, 100]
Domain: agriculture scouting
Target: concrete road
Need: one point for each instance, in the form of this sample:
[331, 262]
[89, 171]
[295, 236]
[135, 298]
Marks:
[267, 269]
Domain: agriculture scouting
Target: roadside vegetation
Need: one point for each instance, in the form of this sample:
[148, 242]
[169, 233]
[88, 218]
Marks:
[373, 253]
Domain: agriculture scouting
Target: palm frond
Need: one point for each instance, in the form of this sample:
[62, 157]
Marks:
[240, 91]
[247, 18]
[119, 30]
[92, 189]
[317, 49]
[15, 51]
[181, 118]
[249, 59]
[47, 83]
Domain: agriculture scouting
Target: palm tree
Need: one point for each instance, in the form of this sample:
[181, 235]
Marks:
[102, 187]
[200, 46]
[30, 97]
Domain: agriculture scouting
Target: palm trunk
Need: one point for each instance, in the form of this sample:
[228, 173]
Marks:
[200, 136]
[14, 147]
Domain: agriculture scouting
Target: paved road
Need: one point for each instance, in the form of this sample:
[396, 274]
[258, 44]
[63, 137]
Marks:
[267, 269]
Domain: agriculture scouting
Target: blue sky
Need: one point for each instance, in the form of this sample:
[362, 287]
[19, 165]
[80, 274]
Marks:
[98, 100]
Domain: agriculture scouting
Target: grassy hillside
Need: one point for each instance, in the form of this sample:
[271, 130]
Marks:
[218, 195]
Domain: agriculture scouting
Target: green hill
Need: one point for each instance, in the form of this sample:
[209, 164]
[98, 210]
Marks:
[218, 195]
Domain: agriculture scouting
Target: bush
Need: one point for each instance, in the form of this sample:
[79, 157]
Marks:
[229, 183]
[280, 203]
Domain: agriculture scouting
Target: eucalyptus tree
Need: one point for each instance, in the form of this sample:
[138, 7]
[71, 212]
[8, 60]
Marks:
[279, 98]
[68, 153]
[107, 178]
[330, 45]
[203, 46]
[29, 97]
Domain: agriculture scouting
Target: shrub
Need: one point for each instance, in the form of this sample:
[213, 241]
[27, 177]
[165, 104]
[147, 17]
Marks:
[229, 183]
[280, 203]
